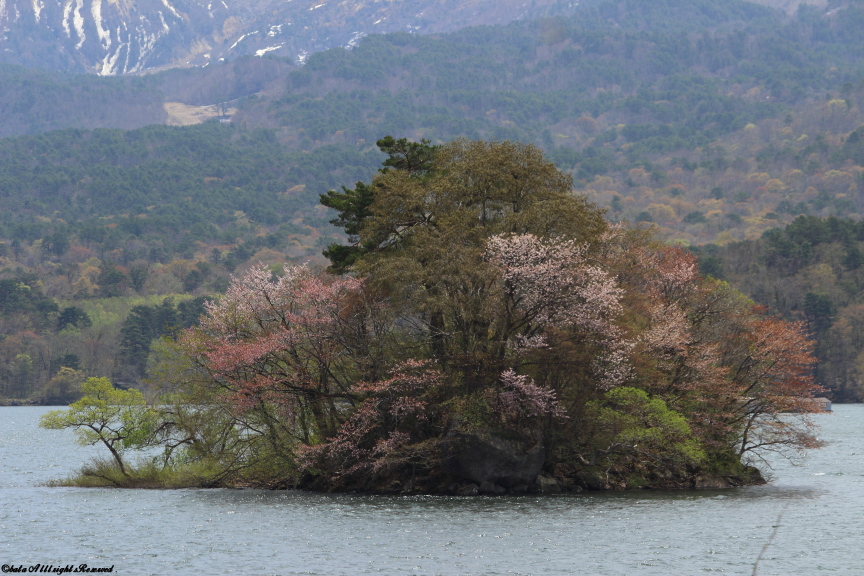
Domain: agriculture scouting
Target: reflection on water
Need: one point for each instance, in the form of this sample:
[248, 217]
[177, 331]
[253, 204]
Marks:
[259, 532]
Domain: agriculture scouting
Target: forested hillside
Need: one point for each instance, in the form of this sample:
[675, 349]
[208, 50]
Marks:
[811, 271]
[108, 234]
[715, 134]
[37, 101]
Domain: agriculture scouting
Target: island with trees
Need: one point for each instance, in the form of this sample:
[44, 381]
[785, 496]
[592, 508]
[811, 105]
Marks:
[485, 330]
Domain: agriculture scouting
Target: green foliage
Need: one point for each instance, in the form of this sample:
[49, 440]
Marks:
[64, 387]
[147, 323]
[819, 310]
[73, 317]
[22, 295]
[148, 473]
[119, 419]
[634, 422]
[36, 101]
[161, 186]
[355, 206]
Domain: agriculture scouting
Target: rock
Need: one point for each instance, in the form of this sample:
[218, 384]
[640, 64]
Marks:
[590, 480]
[490, 488]
[548, 485]
[751, 477]
[489, 458]
[468, 490]
[711, 483]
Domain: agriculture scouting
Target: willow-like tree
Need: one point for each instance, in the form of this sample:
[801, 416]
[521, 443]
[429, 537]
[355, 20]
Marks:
[118, 419]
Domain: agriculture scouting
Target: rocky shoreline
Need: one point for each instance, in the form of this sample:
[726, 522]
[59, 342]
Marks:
[485, 464]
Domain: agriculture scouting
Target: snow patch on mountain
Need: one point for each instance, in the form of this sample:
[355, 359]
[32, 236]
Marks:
[243, 37]
[109, 63]
[67, 14]
[104, 35]
[171, 8]
[78, 21]
[263, 51]
[355, 40]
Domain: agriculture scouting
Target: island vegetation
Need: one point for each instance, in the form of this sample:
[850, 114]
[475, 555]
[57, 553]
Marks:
[484, 330]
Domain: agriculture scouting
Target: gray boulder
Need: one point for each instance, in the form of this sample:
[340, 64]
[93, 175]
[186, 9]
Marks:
[548, 485]
[489, 458]
[468, 490]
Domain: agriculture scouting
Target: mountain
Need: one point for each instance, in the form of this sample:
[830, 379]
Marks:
[39, 100]
[36, 101]
[114, 37]
[791, 6]
[714, 121]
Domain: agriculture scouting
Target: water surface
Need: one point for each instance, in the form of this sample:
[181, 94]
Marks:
[254, 532]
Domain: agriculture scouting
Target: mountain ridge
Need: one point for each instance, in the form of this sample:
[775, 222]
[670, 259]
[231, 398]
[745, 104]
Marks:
[117, 37]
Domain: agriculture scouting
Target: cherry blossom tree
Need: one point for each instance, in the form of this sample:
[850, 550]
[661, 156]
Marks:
[476, 305]
[399, 422]
[552, 283]
[286, 344]
[520, 402]
[743, 378]
[774, 374]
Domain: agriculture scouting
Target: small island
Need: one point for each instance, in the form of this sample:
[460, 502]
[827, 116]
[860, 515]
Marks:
[484, 331]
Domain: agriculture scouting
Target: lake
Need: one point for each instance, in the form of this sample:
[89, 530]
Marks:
[253, 532]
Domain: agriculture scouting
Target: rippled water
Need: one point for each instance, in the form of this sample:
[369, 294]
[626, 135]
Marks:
[254, 532]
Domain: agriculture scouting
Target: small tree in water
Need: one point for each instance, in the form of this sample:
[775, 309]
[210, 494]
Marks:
[118, 419]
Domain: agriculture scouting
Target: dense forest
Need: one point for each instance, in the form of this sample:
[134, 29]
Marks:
[36, 101]
[711, 122]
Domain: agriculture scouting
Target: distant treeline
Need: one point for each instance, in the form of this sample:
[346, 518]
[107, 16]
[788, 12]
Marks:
[811, 271]
[154, 192]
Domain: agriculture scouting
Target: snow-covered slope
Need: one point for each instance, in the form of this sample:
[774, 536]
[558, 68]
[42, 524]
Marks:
[112, 37]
